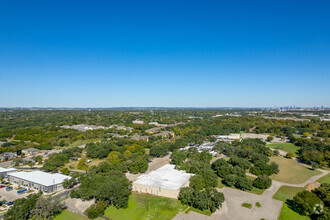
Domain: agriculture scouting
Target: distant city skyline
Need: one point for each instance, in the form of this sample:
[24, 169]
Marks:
[164, 54]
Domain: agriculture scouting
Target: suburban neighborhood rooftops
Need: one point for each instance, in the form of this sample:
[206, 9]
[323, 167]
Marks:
[166, 177]
[42, 178]
[7, 169]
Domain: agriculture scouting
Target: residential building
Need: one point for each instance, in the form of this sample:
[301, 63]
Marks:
[7, 156]
[31, 151]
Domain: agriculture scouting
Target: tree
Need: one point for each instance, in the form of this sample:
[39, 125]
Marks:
[112, 188]
[209, 198]
[270, 138]
[230, 180]
[306, 134]
[304, 202]
[47, 207]
[158, 151]
[21, 209]
[243, 183]
[289, 155]
[262, 182]
[65, 171]
[96, 210]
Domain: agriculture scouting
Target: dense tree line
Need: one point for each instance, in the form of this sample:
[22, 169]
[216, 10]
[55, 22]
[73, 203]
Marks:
[315, 204]
[207, 199]
[34, 206]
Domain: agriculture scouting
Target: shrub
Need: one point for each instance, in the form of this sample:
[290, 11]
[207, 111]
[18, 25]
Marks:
[247, 205]
[258, 204]
[270, 138]
[289, 155]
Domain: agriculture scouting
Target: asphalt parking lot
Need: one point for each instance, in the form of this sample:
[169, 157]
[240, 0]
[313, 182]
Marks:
[11, 195]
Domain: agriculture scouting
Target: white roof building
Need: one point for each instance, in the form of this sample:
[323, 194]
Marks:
[5, 171]
[46, 182]
[165, 181]
[42, 178]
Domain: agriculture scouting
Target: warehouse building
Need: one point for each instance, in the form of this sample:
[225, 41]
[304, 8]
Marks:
[38, 180]
[165, 181]
[5, 171]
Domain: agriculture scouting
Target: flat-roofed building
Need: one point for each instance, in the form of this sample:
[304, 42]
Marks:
[5, 171]
[46, 182]
[165, 181]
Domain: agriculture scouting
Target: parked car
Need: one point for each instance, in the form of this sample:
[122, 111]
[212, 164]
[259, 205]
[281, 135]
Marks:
[2, 186]
[9, 188]
[10, 203]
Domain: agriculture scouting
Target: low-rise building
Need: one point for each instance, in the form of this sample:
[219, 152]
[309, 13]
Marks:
[140, 122]
[228, 138]
[165, 181]
[5, 171]
[153, 130]
[7, 156]
[165, 134]
[38, 180]
[137, 137]
[31, 151]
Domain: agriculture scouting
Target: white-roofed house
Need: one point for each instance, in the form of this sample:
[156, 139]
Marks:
[165, 181]
[46, 182]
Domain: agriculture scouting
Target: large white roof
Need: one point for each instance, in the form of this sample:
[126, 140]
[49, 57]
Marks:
[7, 169]
[166, 177]
[42, 178]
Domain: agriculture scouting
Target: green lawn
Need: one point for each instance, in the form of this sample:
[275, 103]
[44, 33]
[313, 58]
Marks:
[325, 179]
[287, 192]
[141, 206]
[66, 214]
[284, 193]
[287, 147]
[254, 189]
[291, 171]
[287, 213]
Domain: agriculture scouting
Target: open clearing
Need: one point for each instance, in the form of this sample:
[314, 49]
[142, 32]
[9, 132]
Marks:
[287, 192]
[142, 206]
[325, 179]
[287, 147]
[291, 171]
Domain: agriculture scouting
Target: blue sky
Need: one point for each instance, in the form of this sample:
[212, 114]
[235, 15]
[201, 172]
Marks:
[172, 53]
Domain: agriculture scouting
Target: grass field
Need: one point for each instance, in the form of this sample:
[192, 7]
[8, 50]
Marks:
[287, 147]
[66, 214]
[291, 171]
[287, 213]
[325, 179]
[287, 192]
[146, 207]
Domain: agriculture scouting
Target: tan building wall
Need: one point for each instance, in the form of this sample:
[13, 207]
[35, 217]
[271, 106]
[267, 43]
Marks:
[157, 190]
